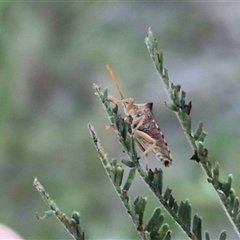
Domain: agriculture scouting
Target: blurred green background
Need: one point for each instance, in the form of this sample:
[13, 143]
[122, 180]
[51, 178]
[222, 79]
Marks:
[52, 53]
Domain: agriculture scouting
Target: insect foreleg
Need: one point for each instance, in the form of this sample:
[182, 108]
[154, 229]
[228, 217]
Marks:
[113, 99]
[127, 101]
[137, 122]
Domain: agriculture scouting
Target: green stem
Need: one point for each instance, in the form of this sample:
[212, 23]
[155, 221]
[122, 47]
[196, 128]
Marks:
[157, 58]
[122, 129]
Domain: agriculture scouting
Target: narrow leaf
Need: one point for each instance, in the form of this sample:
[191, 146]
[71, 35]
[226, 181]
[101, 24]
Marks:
[164, 230]
[187, 214]
[167, 194]
[236, 206]
[223, 235]
[207, 236]
[197, 227]
[128, 163]
[118, 176]
[181, 210]
[130, 178]
[171, 106]
[155, 221]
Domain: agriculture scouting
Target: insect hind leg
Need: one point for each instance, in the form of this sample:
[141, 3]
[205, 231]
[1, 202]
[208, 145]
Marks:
[153, 145]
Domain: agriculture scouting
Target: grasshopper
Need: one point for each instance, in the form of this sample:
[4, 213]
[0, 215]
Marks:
[144, 127]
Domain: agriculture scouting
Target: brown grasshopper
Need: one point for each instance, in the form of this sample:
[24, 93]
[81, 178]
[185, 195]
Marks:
[148, 135]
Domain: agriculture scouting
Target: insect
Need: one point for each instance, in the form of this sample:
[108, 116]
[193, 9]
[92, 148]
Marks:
[148, 135]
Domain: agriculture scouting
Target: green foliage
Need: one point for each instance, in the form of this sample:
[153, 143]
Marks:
[73, 225]
[196, 139]
[156, 228]
[181, 213]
